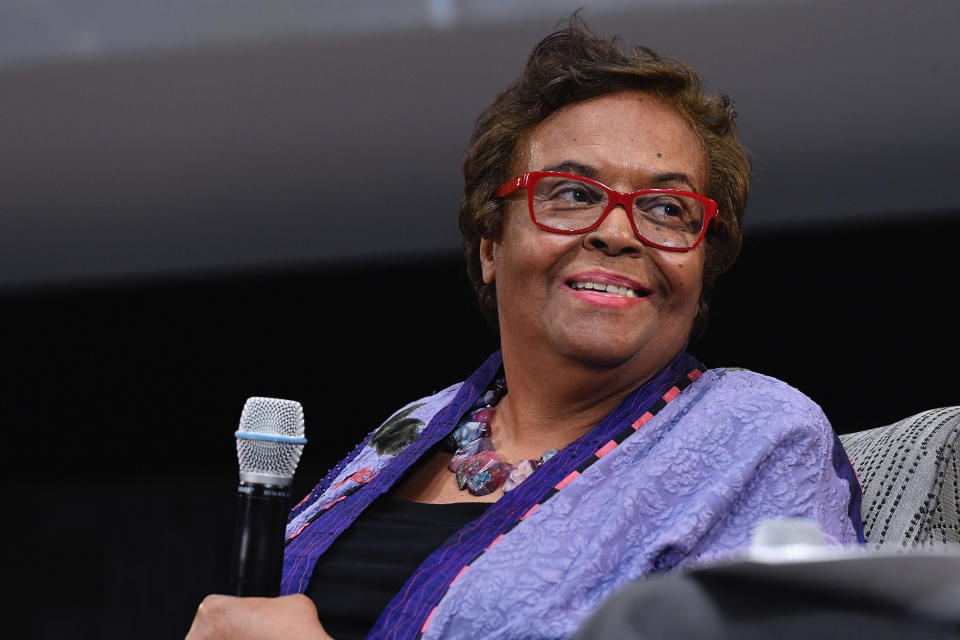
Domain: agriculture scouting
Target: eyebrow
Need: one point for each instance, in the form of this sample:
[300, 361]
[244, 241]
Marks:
[660, 178]
[568, 166]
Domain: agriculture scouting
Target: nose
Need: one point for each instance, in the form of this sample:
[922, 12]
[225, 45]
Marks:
[614, 235]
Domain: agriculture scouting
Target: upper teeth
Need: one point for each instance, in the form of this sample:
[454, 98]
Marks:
[609, 288]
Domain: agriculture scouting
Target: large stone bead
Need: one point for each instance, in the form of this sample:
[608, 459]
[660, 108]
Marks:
[483, 415]
[473, 465]
[477, 471]
[549, 453]
[468, 432]
[520, 472]
[469, 450]
[491, 475]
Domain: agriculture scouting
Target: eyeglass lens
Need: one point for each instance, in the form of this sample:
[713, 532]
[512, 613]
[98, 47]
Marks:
[565, 204]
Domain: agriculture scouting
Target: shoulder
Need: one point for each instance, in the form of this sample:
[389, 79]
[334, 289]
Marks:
[373, 453]
[742, 386]
[747, 381]
[406, 424]
[424, 408]
[750, 398]
[797, 453]
[401, 428]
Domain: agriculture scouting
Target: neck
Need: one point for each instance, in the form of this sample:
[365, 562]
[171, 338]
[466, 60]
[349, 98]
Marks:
[550, 411]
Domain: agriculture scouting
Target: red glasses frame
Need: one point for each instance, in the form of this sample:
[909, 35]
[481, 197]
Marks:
[615, 197]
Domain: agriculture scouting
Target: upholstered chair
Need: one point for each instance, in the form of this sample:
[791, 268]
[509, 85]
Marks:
[909, 474]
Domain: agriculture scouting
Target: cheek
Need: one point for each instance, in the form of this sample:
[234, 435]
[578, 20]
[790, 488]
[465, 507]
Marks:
[529, 254]
[686, 276]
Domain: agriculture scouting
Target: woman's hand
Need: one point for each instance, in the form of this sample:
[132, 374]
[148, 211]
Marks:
[284, 618]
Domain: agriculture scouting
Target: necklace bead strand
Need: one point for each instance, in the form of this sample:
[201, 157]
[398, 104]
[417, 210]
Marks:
[475, 462]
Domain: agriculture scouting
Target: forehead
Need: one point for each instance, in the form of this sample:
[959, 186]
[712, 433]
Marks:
[624, 137]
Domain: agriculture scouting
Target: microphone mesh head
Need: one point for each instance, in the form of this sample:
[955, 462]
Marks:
[263, 441]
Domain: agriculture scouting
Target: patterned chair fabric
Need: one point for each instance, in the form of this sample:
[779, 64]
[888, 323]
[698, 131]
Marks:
[909, 474]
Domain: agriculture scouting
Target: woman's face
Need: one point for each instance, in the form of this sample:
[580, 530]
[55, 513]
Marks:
[628, 141]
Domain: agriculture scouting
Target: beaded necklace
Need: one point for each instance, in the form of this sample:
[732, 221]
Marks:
[475, 462]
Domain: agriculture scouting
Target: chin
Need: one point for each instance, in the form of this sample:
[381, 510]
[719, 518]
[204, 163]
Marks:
[602, 351]
[605, 356]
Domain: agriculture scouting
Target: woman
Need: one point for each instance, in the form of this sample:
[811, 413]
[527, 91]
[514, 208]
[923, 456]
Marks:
[603, 197]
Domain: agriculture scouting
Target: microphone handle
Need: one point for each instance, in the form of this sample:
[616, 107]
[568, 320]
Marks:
[258, 540]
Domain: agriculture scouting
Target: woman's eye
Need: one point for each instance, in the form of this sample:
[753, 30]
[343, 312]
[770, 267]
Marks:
[664, 209]
[567, 195]
[575, 194]
[669, 209]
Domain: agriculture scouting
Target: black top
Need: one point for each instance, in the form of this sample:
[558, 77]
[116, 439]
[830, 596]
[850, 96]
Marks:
[357, 577]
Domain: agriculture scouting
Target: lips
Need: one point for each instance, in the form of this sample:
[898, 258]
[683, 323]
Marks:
[608, 283]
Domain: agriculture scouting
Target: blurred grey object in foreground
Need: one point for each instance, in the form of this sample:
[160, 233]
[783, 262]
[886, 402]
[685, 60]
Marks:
[838, 593]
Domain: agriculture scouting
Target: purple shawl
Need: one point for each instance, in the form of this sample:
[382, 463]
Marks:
[678, 474]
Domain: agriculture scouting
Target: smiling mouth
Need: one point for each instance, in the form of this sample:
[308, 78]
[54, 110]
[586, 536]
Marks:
[609, 289]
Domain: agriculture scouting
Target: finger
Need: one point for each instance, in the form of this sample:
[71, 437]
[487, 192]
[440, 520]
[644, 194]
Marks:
[205, 621]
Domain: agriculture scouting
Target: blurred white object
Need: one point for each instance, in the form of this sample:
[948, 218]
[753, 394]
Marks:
[789, 539]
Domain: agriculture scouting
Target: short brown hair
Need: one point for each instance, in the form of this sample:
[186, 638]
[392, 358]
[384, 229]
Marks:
[573, 65]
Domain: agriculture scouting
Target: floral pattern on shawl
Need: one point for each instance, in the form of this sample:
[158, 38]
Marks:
[377, 450]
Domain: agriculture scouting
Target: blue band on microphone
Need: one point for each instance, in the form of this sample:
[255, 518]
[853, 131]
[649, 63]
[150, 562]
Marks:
[268, 436]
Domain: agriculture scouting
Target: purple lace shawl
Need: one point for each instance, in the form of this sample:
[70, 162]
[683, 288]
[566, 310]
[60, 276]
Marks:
[687, 487]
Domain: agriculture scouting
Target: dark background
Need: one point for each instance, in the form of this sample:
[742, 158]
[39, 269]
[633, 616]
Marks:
[121, 401]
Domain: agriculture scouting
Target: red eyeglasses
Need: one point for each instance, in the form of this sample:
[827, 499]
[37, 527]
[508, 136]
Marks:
[565, 203]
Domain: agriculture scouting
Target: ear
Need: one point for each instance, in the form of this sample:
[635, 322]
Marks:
[488, 260]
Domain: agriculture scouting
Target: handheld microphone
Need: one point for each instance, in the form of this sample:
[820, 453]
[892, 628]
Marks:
[269, 443]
